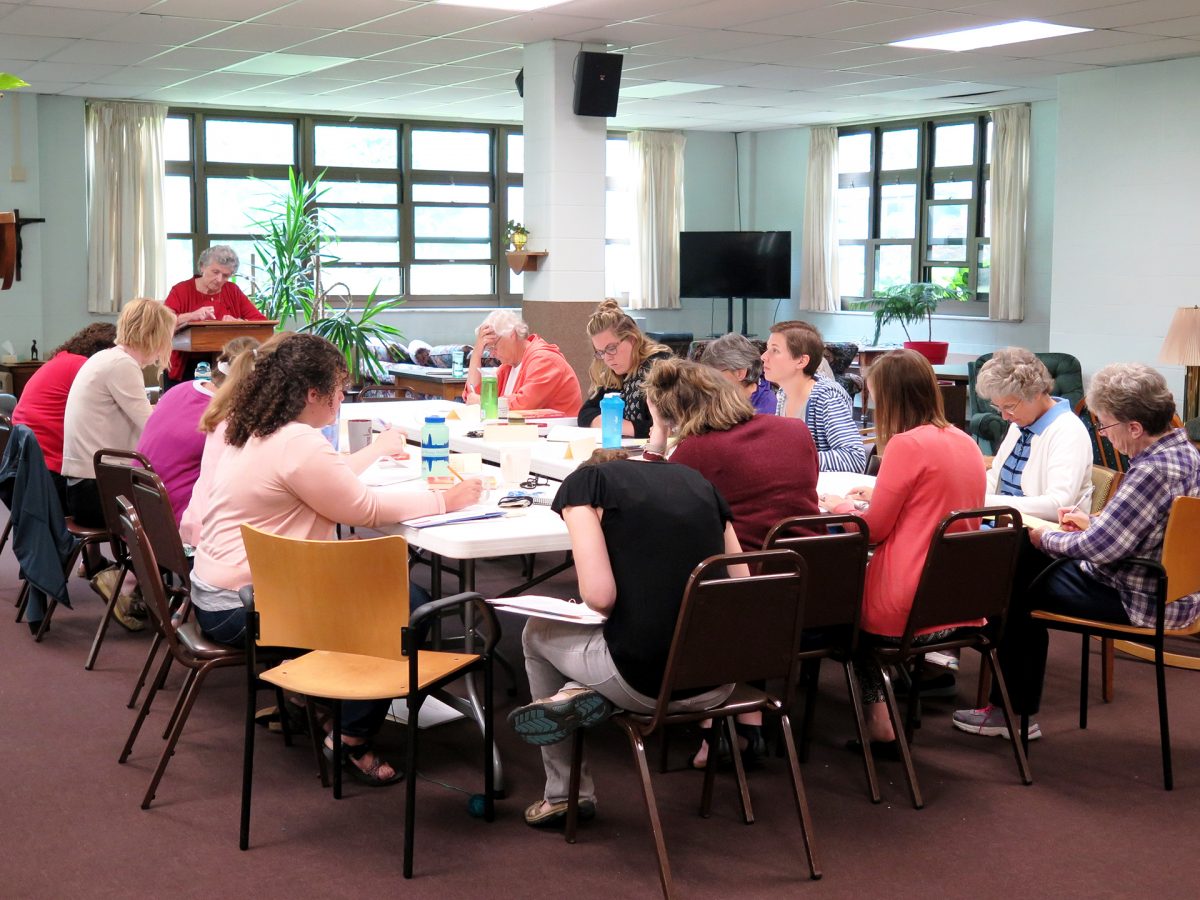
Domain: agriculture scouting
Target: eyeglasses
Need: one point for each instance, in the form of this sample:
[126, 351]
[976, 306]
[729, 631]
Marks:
[1005, 410]
[1100, 429]
[610, 350]
[535, 481]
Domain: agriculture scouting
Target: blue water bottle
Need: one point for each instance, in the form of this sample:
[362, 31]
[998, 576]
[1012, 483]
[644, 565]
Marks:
[612, 414]
[203, 372]
[435, 447]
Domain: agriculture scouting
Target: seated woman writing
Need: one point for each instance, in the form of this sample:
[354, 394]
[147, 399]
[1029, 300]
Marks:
[794, 352]
[929, 470]
[623, 358]
[740, 363]
[532, 375]
[281, 475]
[713, 429]
[578, 672]
[1134, 407]
[1045, 461]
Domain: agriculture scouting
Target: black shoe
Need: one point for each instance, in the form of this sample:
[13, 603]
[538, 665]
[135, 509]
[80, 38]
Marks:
[943, 685]
[879, 749]
[756, 745]
[714, 736]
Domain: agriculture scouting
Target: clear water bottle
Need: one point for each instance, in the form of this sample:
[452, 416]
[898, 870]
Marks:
[489, 397]
[331, 432]
[435, 447]
[203, 372]
[612, 416]
[456, 362]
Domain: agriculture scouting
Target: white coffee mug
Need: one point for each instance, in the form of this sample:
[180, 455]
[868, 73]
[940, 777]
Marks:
[514, 465]
[359, 433]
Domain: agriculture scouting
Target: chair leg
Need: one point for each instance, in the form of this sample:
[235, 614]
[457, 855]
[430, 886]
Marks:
[747, 809]
[337, 750]
[145, 710]
[861, 721]
[248, 756]
[318, 740]
[180, 721]
[911, 720]
[806, 829]
[1160, 673]
[410, 789]
[1108, 655]
[710, 773]
[22, 600]
[489, 741]
[141, 681]
[1084, 671]
[102, 628]
[664, 749]
[183, 690]
[639, 753]
[573, 786]
[7, 532]
[898, 727]
[812, 670]
[41, 632]
[284, 725]
[1019, 743]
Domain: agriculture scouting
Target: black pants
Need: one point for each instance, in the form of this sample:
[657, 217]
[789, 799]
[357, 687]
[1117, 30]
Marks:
[83, 503]
[60, 485]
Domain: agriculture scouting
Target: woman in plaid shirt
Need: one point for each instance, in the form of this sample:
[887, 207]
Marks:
[1134, 407]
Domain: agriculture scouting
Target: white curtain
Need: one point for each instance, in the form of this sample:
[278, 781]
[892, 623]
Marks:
[1010, 183]
[127, 235]
[819, 256]
[657, 161]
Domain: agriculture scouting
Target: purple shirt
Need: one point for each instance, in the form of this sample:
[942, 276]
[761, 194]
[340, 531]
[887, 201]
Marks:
[1133, 523]
[173, 442]
[763, 398]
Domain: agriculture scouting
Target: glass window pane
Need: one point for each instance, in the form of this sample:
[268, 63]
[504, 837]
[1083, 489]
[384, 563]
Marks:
[616, 158]
[270, 143]
[453, 251]
[360, 222]
[462, 151]
[983, 278]
[177, 204]
[356, 147]
[949, 276]
[364, 251]
[450, 279]
[618, 215]
[987, 145]
[177, 140]
[954, 145]
[953, 190]
[948, 232]
[987, 208]
[853, 209]
[358, 192]
[452, 222]
[249, 262]
[618, 270]
[516, 154]
[854, 153]
[899, 150]
[181, 263]
[852, 270]
[516, 282]
[234, 204]
[362, 280]
[451, 193]
[516, 204]
[898, 211]
[893, 266]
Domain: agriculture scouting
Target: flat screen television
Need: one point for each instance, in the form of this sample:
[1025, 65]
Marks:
[754, 264]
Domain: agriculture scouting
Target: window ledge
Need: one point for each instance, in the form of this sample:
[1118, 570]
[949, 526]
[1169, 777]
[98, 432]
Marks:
[856, 312]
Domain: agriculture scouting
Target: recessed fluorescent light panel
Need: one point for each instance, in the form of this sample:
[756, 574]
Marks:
[990, 36]
[509, 5]
[656, 89]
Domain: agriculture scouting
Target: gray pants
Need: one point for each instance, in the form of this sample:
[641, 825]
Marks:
[562, 655]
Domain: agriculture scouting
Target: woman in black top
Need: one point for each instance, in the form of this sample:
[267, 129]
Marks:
[614, 510]
[624, 357]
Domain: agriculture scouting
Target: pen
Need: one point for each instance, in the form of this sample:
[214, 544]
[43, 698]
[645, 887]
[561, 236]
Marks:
[1087, 495]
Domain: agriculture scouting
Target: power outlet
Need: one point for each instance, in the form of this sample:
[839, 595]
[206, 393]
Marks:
[16, 173]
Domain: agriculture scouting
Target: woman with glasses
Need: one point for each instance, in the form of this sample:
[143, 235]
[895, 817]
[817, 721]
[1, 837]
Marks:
[1045, 461]
[624, 357]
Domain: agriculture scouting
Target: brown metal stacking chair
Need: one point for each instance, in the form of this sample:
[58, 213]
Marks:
[730, 630]
[837, 568]
[990, 556]
[5, 433]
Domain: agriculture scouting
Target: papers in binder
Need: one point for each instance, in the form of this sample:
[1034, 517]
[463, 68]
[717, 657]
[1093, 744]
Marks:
[470, 514]
[553, 608]
[382, 474]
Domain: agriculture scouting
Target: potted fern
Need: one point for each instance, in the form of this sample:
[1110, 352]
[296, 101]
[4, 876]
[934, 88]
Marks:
[911, 304]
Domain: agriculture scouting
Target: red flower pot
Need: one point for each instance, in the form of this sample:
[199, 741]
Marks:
[934, 351]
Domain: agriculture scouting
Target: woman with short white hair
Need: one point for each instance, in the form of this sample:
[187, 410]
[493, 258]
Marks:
[533, 374]
[1045, 460]
[740, 362]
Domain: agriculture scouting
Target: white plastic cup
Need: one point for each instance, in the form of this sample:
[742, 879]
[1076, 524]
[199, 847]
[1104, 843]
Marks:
[514, 465]
[358, 431]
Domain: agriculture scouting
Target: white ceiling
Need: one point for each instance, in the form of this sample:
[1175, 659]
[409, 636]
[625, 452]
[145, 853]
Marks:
[778, 63]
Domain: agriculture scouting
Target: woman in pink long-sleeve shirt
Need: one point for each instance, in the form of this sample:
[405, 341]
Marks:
[281, 475]
[930, 469]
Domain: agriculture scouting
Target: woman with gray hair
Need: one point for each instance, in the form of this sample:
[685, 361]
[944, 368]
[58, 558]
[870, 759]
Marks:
[740, 362]
[1134, 409]
[533, 374]
[1045, 460]
[210, 295]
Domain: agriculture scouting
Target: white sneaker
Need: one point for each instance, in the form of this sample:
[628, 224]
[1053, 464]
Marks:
[945, 660]
[988, 722]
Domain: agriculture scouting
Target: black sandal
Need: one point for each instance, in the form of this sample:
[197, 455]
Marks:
[724, 754]
[369, 776]
[756, 744]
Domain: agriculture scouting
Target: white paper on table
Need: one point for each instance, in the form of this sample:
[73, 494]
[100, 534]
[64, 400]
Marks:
[841, 483]
[433, 712]
[564, 434]
[377, 475]
[549, 608]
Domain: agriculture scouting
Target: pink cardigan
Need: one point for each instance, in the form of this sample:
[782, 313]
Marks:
[292, 483]
[193, 516]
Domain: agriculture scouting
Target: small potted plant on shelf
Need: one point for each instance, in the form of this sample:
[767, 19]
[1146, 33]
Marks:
[910, 304]
[515, 235]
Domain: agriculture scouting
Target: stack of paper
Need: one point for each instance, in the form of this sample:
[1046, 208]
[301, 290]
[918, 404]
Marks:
[381, 474]
[549, 608]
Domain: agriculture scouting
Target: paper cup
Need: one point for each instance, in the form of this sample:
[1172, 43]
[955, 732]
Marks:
[359, 433]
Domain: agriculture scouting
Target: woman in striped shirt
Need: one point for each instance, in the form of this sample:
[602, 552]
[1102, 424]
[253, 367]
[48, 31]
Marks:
[794, 351]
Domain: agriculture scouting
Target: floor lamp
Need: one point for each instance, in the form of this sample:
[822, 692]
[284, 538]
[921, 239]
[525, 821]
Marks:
[1181, 347]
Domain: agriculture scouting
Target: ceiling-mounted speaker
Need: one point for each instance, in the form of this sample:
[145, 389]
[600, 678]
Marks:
[597, 83]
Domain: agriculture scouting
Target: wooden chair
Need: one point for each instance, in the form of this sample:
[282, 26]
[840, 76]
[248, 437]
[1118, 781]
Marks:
[837, 569]
[5, 433]
[730, 630]
[380, 393]
[1178, 575]
[990, 555]
[347, 603]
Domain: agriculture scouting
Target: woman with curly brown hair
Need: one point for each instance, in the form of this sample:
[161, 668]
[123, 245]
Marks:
[279, 474]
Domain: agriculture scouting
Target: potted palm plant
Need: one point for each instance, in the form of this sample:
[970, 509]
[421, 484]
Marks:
[352, 331]
[910, 304]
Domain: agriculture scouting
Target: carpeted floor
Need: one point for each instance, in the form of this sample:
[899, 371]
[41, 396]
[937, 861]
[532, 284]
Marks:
[1095, 824]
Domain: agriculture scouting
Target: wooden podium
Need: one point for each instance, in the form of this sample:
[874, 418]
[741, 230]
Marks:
[208, 336]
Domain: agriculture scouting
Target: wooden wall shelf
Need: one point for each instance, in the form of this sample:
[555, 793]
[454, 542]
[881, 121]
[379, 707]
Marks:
[524, 260]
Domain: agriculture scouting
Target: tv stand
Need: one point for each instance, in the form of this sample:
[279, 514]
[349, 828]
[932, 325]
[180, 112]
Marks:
[729, 329]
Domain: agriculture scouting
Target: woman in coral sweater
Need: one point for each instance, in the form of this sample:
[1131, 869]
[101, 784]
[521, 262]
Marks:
[929, 469]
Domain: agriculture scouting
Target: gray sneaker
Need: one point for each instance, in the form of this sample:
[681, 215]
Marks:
[988, 722]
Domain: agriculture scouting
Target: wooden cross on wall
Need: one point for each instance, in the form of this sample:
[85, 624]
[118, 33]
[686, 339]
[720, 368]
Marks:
[11, 245]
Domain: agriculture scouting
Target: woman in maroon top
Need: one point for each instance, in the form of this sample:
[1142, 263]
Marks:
[764, 466]
[210, 295]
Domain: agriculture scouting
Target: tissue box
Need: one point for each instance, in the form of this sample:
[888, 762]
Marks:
[8, 359]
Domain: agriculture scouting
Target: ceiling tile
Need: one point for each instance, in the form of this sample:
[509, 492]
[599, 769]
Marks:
[913, 27]
[631, 34]
[168, 30]
[308, 85]
[1124, 14]
[794, 51]
[1185, 27]
[374, 90]
[368, 70]
[1162, 48]
[52, 21]
[840, 16]
[883, 86]
[226, 10]
[729, 13]
[622, 10]
[229, 81]
[531, 28]
[48, 87]
[497, 82]
[951, 91]
[508, 58]
[446, 75]
[937, 62]
[1033, 9]
[147, 77]
[441, 50]
[198, 60]
[98, 91]
[65, 72]
[263, 38]
[683, 69]
[705, 42]
[354, 44]
[116, 53]
[454, 94]
[125, 6]
[343, 14]
[436, 20]
[26, 47]
[1067, 43]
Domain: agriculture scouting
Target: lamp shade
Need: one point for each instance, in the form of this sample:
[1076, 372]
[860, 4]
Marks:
[1181, 347]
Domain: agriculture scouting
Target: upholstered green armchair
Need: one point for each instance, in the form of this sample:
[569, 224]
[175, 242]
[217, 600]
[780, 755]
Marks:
[988, 427]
